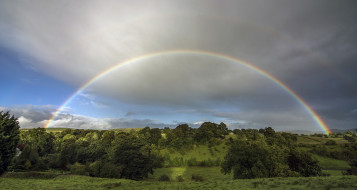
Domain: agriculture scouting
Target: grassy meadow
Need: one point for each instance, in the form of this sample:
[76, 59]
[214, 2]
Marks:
[212, 180]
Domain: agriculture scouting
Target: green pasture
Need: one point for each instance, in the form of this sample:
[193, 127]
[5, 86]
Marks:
[207, 173]
[199, 152]
[318, 140]
[57, 182]
[331, 164]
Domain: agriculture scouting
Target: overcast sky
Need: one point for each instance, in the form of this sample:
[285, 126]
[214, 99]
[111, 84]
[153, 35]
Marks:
[49, 49]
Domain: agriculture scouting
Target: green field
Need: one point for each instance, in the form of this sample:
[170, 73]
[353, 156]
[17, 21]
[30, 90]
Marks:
[200, 153]
[213, 181]
[318, 140]
[331, 164]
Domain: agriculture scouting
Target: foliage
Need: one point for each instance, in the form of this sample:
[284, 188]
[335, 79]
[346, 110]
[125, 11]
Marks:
[133, 157]
[134, 154]
[39, 139]
[331, 142]
[303, 163]
[209, 130]
[29, 160]
[78, 169]
[265, 153]
[93, 183]
[252, 159]
[180, 137]
[196, 177]
[151, 136]
[164, 177]
[353, 169]
[342, 152]
[9, 137]
[179, 178]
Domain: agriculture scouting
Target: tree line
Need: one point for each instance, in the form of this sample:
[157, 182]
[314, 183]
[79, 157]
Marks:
[135, 154]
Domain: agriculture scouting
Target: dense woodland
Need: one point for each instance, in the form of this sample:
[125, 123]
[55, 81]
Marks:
[134, 154]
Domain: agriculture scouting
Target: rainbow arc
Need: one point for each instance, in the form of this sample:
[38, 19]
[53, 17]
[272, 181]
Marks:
[309, 110]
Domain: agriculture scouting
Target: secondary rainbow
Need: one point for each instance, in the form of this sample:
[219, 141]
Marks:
[311, 112]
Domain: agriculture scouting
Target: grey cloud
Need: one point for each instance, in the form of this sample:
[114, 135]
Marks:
[37, 116]
[34, 112]
[310, 46]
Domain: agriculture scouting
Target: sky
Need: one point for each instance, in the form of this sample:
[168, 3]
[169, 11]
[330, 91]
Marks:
[50, 49]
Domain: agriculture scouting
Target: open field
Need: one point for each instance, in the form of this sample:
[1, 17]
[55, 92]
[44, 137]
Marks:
[331, 164]
[318, 140]
[201, 152]
[83, 182]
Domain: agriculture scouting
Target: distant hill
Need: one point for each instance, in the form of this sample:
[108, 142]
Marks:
[305, 132]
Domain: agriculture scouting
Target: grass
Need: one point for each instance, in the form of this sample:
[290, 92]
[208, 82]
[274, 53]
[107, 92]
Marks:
[333, 172]
[318, 140]
[217, 182]
[200, 153]
[331, 164]
[208, 173]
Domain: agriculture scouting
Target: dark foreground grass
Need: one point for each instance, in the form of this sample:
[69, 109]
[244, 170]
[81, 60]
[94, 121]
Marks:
[16, 181]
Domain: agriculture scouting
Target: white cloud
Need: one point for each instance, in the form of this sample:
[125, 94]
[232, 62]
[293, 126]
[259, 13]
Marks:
[23, 120]
[198, 122]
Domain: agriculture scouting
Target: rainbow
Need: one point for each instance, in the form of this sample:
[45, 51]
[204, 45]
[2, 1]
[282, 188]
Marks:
[311, 112]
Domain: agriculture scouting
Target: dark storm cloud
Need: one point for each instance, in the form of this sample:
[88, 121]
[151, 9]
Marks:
[308, 45]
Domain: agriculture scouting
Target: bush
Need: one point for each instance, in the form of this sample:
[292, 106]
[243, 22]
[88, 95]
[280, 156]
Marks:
[112, 185]
[31, 175]
[104, 169]
[353, 169]
[164, 177]
[254, 159]
[196, 177]
[330, 142]
[303, 163]
[192, 162]
[79, 169]
[180, 178]
[29, 160]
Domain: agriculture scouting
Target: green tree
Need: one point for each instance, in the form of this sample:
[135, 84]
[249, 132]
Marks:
[132, 156]
[210, 130]
[303, 163]
[29, 160]
[152, 136]
[255, 159]
[9, 137]
[39, 139]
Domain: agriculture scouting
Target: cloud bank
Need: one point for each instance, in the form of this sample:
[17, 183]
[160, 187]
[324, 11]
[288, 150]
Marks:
[310, 46]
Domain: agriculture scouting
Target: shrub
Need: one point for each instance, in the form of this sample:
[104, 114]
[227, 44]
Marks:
[353, 169]
[31, 175]
[104, 169]
[196, 177]
[192, 162]
[112, 185]
[78, 169]
[164, 177]
[330, 142]
[180, 178]
[303, 163]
